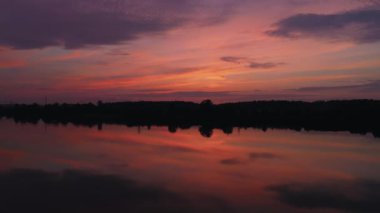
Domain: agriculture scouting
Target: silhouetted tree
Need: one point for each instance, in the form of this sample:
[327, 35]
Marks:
[227, 130]
[172, 129]
[206, 105]
[206, 131]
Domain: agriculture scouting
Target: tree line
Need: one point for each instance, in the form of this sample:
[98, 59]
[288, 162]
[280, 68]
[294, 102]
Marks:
[355, 116]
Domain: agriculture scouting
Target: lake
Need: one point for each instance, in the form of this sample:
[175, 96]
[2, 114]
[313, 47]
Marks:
[47, 168]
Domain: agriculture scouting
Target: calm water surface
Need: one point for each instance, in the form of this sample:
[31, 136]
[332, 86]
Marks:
[122, 169]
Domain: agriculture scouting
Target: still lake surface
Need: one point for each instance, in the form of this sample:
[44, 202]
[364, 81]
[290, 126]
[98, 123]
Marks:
[46, 168]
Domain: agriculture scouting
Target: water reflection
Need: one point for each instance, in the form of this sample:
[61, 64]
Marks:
[350, 195]
[206, 130]
[121, 169]
[78, 191]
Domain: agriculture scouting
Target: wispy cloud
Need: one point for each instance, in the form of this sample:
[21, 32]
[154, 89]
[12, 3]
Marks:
[267, 65]
[251, 63]
[6, 64]
[234, 59]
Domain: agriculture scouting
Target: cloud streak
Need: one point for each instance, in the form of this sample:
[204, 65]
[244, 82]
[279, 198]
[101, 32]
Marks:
[250, 62]
[233, 59]
[358, 26]
[267, 65]
[371, 87]
[11, 64]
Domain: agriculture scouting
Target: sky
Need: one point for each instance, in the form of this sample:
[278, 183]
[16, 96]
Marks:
[188, 50]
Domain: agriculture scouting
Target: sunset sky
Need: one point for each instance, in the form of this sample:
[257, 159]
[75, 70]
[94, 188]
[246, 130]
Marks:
[224, 50]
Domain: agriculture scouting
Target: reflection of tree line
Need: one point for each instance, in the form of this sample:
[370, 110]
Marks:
[358, 116]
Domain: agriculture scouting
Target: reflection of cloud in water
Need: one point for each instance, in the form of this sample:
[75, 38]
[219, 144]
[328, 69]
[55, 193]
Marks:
[160, 147]
[231, 161]
[355, 195]
[78, 191]
[262, 155]
[173, 148]
[252, 156]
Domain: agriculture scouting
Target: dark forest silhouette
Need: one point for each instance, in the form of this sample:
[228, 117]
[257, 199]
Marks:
[355, 116]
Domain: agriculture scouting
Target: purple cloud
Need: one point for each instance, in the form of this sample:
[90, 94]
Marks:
[30, 24]
[267, 65]
[371, 87]
[359, 26]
